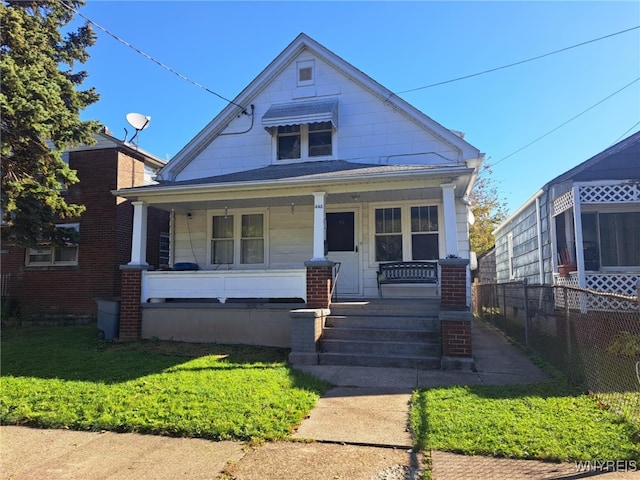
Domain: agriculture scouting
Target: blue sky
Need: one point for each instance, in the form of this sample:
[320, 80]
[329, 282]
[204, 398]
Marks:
[402, 45]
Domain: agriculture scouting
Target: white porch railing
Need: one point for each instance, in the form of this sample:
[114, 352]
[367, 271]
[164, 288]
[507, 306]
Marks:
[225, 284]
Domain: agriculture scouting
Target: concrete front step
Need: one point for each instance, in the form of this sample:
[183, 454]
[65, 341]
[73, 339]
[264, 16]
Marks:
[391, 322]
[392, 361]
[411, 349]
[380, 334]
[411, 307]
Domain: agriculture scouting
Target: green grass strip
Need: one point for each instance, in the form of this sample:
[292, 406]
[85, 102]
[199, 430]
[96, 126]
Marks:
[550, 421]
[64, 377]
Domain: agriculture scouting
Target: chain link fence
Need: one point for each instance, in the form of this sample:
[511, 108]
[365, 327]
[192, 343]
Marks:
[592, 338]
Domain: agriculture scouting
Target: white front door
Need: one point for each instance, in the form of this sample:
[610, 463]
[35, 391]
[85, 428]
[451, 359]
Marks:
[342, 246]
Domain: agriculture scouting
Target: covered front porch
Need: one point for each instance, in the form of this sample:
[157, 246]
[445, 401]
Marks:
[595, 232]
[257, 240]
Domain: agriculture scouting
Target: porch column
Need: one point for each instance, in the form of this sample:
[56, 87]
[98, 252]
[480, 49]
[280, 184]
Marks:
[450, 222]
[318, 226]
[139, 234]
[577, 227]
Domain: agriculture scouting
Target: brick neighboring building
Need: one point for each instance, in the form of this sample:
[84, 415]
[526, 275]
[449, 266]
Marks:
[66, 281]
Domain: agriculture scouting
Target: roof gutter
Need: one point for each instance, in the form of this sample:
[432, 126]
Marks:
[535, 196]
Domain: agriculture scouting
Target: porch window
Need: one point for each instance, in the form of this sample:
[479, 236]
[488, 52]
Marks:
[388, 234]
[611, 239]
[424, 233]
[406, 233]
[164, 250]
[227, 245]
[53, 254]
[222, 240]
[252, 241]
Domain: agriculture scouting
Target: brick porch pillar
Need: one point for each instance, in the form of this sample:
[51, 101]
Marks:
[319, 279]
[130, 310]
[455, 318]
[453, 283]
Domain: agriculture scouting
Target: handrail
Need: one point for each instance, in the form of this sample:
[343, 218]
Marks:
[336, 268]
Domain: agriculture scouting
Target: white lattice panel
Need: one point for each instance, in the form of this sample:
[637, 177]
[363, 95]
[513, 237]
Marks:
[562, 203]
[621, 193]
[567, 281]
[622, 284]
[570, 281]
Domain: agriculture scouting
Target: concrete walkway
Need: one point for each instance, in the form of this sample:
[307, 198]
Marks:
[357, 431]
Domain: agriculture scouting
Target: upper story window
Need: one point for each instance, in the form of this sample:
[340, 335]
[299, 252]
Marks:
[46, 255]
[303, 130]
[305, 141]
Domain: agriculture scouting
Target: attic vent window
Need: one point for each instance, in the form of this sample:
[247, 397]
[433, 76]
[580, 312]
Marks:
[305, 73]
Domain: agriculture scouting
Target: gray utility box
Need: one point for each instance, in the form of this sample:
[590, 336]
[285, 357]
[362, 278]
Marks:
[108, 318]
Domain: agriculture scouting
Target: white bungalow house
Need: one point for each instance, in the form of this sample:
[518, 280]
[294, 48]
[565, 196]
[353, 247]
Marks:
[581, 229]
[313, 164]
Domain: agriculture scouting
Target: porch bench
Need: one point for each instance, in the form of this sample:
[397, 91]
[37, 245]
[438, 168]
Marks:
[419, 272]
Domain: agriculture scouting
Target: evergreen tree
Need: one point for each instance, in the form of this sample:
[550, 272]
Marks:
[489, 211]
[40, 104]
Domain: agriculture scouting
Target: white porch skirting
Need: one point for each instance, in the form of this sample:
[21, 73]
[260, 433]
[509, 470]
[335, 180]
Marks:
[224, 284]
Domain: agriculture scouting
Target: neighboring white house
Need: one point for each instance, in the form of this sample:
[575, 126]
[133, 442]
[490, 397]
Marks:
[581, 229]
[313, 160]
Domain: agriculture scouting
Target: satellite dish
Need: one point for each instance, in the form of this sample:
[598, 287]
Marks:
[137, 121]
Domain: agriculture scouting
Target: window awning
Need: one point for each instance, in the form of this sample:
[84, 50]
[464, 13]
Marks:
[301, 112]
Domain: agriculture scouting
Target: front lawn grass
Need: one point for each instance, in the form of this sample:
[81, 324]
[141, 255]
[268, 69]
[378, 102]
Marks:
[550, 421]
[63, 377]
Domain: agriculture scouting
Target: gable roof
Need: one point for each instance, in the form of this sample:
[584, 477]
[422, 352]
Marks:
[312, 171]
[618, 162]
[301, 43]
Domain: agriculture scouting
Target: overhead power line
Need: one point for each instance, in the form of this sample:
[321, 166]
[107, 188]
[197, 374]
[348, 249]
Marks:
[568, 121]
[146, 55]
[625, 133]
[520, 62]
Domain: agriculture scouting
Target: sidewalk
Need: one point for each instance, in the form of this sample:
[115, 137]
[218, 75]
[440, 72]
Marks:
[357, 431]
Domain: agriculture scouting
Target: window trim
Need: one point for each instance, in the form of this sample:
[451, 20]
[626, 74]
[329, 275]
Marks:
[237, 238]
[304, 146]
[52, 249]
[406, 232]
[304, 64]
[602, 209]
